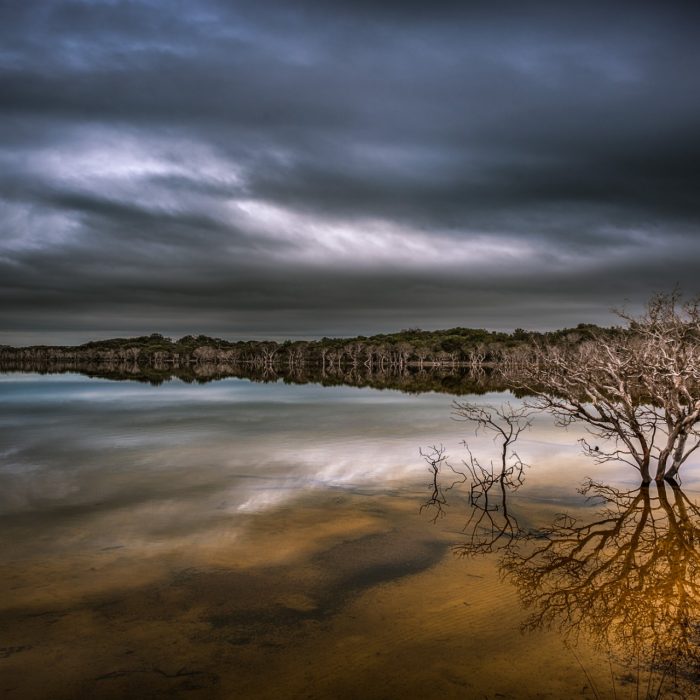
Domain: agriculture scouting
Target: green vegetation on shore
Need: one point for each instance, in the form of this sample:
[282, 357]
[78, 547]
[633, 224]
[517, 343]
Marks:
[412, 346]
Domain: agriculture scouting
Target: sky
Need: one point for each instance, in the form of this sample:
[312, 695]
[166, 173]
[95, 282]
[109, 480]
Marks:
[299, 169]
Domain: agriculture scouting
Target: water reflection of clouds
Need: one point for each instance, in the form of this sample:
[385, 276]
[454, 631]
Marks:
[124, 487]
[177, 440]
[71, 442]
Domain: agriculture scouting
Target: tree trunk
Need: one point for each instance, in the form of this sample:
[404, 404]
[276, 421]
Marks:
[678, 455]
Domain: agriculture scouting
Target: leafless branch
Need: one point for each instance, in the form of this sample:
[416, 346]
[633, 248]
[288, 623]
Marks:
[636, 389]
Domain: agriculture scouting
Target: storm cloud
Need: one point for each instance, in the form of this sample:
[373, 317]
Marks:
[284, 169]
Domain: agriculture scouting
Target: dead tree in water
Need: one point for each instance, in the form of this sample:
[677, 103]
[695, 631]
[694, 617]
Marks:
[490, 520]
[637, 390]
[435, 458]
[491, 525]
[505, 424]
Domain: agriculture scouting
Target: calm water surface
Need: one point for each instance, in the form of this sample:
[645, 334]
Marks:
[243, 540]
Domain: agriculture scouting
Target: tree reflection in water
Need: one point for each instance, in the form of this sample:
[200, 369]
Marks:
[628, 578]
[491, 525]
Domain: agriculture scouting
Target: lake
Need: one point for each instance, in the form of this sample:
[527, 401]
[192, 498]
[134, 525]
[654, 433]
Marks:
[238, 539]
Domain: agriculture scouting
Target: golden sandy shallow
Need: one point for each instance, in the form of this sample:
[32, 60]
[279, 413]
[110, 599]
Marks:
[335, 595]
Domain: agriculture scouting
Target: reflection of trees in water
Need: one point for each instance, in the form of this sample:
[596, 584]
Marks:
[629, 578]
[490, 523]
[410, 379]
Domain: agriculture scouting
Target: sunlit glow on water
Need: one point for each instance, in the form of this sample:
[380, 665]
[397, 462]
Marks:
[263, 540]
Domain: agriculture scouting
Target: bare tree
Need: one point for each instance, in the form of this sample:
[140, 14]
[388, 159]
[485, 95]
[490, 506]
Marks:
[436, 460]
[475, 356]
[422, 353]
[267, 352]
[636, 389]
[490, 525]
[505, 424]
[404, 351]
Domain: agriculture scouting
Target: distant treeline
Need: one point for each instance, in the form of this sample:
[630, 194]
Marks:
[412, 347]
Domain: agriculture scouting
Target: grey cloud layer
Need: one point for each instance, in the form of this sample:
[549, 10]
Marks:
[135, 136]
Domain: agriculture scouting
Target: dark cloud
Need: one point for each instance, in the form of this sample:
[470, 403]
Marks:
[319, 168]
